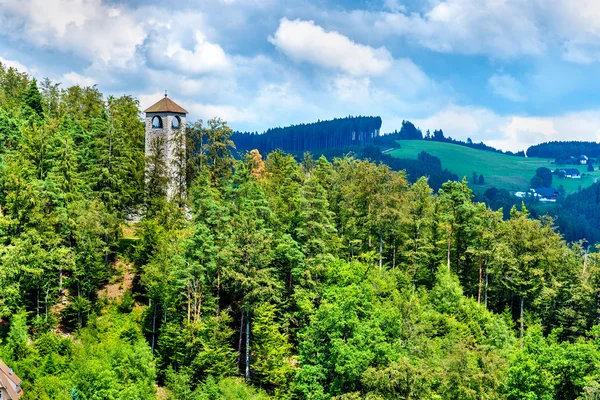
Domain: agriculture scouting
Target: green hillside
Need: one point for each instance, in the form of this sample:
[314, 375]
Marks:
[500, 170]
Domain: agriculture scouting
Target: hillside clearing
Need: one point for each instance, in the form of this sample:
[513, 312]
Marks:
[499, 170]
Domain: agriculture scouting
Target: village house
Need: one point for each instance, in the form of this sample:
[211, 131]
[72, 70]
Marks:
[10, 383]
[583, 159]
[572, 173]
[541, 194]
[546, 194]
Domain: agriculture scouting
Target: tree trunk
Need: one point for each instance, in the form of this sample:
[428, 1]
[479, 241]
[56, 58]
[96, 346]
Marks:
[394, 255]
[521, 324]
[218, 285]
[153, 326]
[79, 320]
[380, 251]
[165, 312]
[201, 290]
[46, 301]
[247, 375]
[240, 341]
[450, 245]
[189, 301]
[480, 280]
[60, 281]
[485, 296]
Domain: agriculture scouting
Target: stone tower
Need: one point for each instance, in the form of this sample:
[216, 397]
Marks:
[163, 121]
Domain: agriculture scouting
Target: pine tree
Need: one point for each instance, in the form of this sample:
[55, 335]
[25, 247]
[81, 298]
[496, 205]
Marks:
[315, 231]
[415, 231]
[33, 102]
[219, 145]
[455, 197]
[271, 350]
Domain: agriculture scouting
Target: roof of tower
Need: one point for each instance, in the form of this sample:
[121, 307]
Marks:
[166, 105]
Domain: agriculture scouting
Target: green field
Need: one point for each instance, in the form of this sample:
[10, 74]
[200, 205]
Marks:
[499, 170]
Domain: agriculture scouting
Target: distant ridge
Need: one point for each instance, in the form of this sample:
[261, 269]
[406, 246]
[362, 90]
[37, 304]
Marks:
[339, 132]
[565, 148]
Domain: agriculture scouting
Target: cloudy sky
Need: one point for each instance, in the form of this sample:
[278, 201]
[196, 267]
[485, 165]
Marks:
[508, 72]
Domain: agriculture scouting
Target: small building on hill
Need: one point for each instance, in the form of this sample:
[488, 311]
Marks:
[583, 159]
[546, 194]
[572, 173]
[10, 383]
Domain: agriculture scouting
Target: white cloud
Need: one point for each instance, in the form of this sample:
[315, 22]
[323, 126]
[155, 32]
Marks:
[394, 5]
[497, 28]
[506, 86]
[461, 122]
[575, 25]
[306, 41]
[277, 96]
[14, 64]
[88, 28]
[228, 113]
[73, 78]
[352, 89]
[512, 132]
[170, 54]
[501, 28]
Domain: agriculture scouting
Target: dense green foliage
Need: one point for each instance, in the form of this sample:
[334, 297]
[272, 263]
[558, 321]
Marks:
[579, 215]
[564, 149]
[271, 278]
[424, 165]
[339, 132]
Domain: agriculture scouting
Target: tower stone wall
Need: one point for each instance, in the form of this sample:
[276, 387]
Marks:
[167, 111]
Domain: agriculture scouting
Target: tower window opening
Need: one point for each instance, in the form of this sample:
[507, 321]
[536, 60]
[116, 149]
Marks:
[175, 123]
[157, 123]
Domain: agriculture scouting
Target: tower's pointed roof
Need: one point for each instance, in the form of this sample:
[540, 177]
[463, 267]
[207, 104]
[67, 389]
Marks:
[166, 105]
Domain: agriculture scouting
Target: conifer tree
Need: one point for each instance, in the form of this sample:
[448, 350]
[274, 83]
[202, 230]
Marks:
[415, 228]
[219, 148]
[315, 231]
[33, 102]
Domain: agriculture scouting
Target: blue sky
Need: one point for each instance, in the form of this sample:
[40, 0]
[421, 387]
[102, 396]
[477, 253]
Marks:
[507, 72]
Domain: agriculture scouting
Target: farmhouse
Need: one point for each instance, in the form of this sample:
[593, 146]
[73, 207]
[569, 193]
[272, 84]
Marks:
[583, 159]
[546, 194]
[10, 384]
[572, 173]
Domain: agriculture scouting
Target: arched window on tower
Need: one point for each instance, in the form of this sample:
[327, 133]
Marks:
[157, 123]
[176, 122]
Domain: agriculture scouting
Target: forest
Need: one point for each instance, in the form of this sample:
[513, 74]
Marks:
[425, 165]
[268, 277]
[564, 149]
[339, 132]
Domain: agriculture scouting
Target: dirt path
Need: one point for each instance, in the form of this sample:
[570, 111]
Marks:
[123, 281]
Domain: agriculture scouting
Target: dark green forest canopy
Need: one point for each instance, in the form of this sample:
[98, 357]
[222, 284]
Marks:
[271, 278]
[339, 132]
[558, 149]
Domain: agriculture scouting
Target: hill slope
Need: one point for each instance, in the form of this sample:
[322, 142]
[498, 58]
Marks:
[500, 170]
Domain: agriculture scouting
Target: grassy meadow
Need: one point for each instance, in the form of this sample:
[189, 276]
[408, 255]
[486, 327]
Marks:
[499, 170]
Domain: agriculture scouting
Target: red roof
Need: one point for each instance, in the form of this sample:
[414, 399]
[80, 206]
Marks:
[166, 105]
